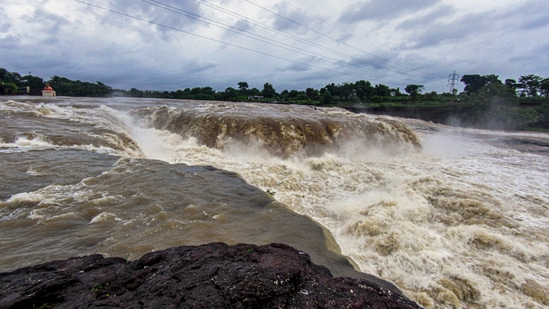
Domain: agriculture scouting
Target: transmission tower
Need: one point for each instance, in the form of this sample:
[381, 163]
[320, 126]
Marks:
[452, 81]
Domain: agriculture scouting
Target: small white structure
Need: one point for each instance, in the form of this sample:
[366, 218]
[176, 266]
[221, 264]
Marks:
[255, 98]
[48, 91]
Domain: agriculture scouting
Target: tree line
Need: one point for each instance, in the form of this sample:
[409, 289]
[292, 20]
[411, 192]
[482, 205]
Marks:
[485, 102]
[527, 86]
[330, 94]
[347, 92]
[15, 83]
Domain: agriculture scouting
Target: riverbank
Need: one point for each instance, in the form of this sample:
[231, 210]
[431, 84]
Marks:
[525, 114]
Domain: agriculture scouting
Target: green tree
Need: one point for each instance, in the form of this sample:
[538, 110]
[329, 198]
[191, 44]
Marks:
[544, 87]
[326, 97]
[230, 94]
[382, 90]
[347, 91]
[10, 77]
[497, 107]
[474, 82]
[254, 91]
[395, 92]
[293, 94]
[134, 92]
[268, 91]
[492, 79]
[531, 84]
[285, 95]
[8, 88]
[413, 90]
[332, 88]
[67, 87]
[363, 89]
[512, 84]
[311, 93]
[500, 91]
[243, 86]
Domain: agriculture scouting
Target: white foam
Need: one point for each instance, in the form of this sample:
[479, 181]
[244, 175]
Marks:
[406, 239]
[105, 217]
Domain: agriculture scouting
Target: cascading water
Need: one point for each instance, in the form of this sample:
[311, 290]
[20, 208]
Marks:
[454, 217]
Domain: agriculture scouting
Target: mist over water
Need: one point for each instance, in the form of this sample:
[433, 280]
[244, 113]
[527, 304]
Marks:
[454, 217]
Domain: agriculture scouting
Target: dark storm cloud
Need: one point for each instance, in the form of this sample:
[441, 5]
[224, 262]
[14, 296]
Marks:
[382, 9]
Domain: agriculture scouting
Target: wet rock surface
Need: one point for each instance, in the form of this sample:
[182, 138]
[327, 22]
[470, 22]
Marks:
[209, 276]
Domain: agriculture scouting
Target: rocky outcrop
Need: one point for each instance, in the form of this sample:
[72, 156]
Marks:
[209, 276]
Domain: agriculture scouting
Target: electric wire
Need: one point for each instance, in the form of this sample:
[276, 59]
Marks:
[274, 30]
[326, 36]
[254, 36]
[239, 31]
[325, 23]
[208, 38]
[304, 41]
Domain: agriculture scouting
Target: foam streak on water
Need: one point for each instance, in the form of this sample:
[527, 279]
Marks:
[460, 222]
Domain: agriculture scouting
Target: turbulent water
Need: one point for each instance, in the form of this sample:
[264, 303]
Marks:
[454, 217]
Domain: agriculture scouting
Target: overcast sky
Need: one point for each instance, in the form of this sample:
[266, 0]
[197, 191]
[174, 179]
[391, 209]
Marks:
[170, 45]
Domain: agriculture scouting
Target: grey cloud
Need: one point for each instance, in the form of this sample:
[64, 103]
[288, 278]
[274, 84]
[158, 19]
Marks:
[136, 54]
[243, 25]
[369, 62]
[51, 24]
[296, 67]
[239, 26]
[535, 23]
[382, 9]
[459, 29]
[532, 15]
[292, 19]
[9, 42]
[166, 14]
[529, 16]
[428, 19]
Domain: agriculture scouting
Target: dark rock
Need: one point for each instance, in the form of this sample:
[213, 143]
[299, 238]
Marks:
[209, 276]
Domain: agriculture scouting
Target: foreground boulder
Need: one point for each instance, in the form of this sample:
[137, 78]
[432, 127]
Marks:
[209, 276]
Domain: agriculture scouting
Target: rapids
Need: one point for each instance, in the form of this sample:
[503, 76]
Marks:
[454, 217]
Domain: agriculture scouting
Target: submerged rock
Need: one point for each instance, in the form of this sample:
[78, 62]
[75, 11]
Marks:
[209, 276]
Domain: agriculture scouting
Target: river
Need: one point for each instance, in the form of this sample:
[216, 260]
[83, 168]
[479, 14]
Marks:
[455, 218]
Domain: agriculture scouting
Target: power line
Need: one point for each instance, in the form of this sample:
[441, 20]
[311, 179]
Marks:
[326, 36]
[267, 27]
[324, 22]
[305, 41]
[192, 15]
[304, 11]
[251, 35]
[207, 38]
